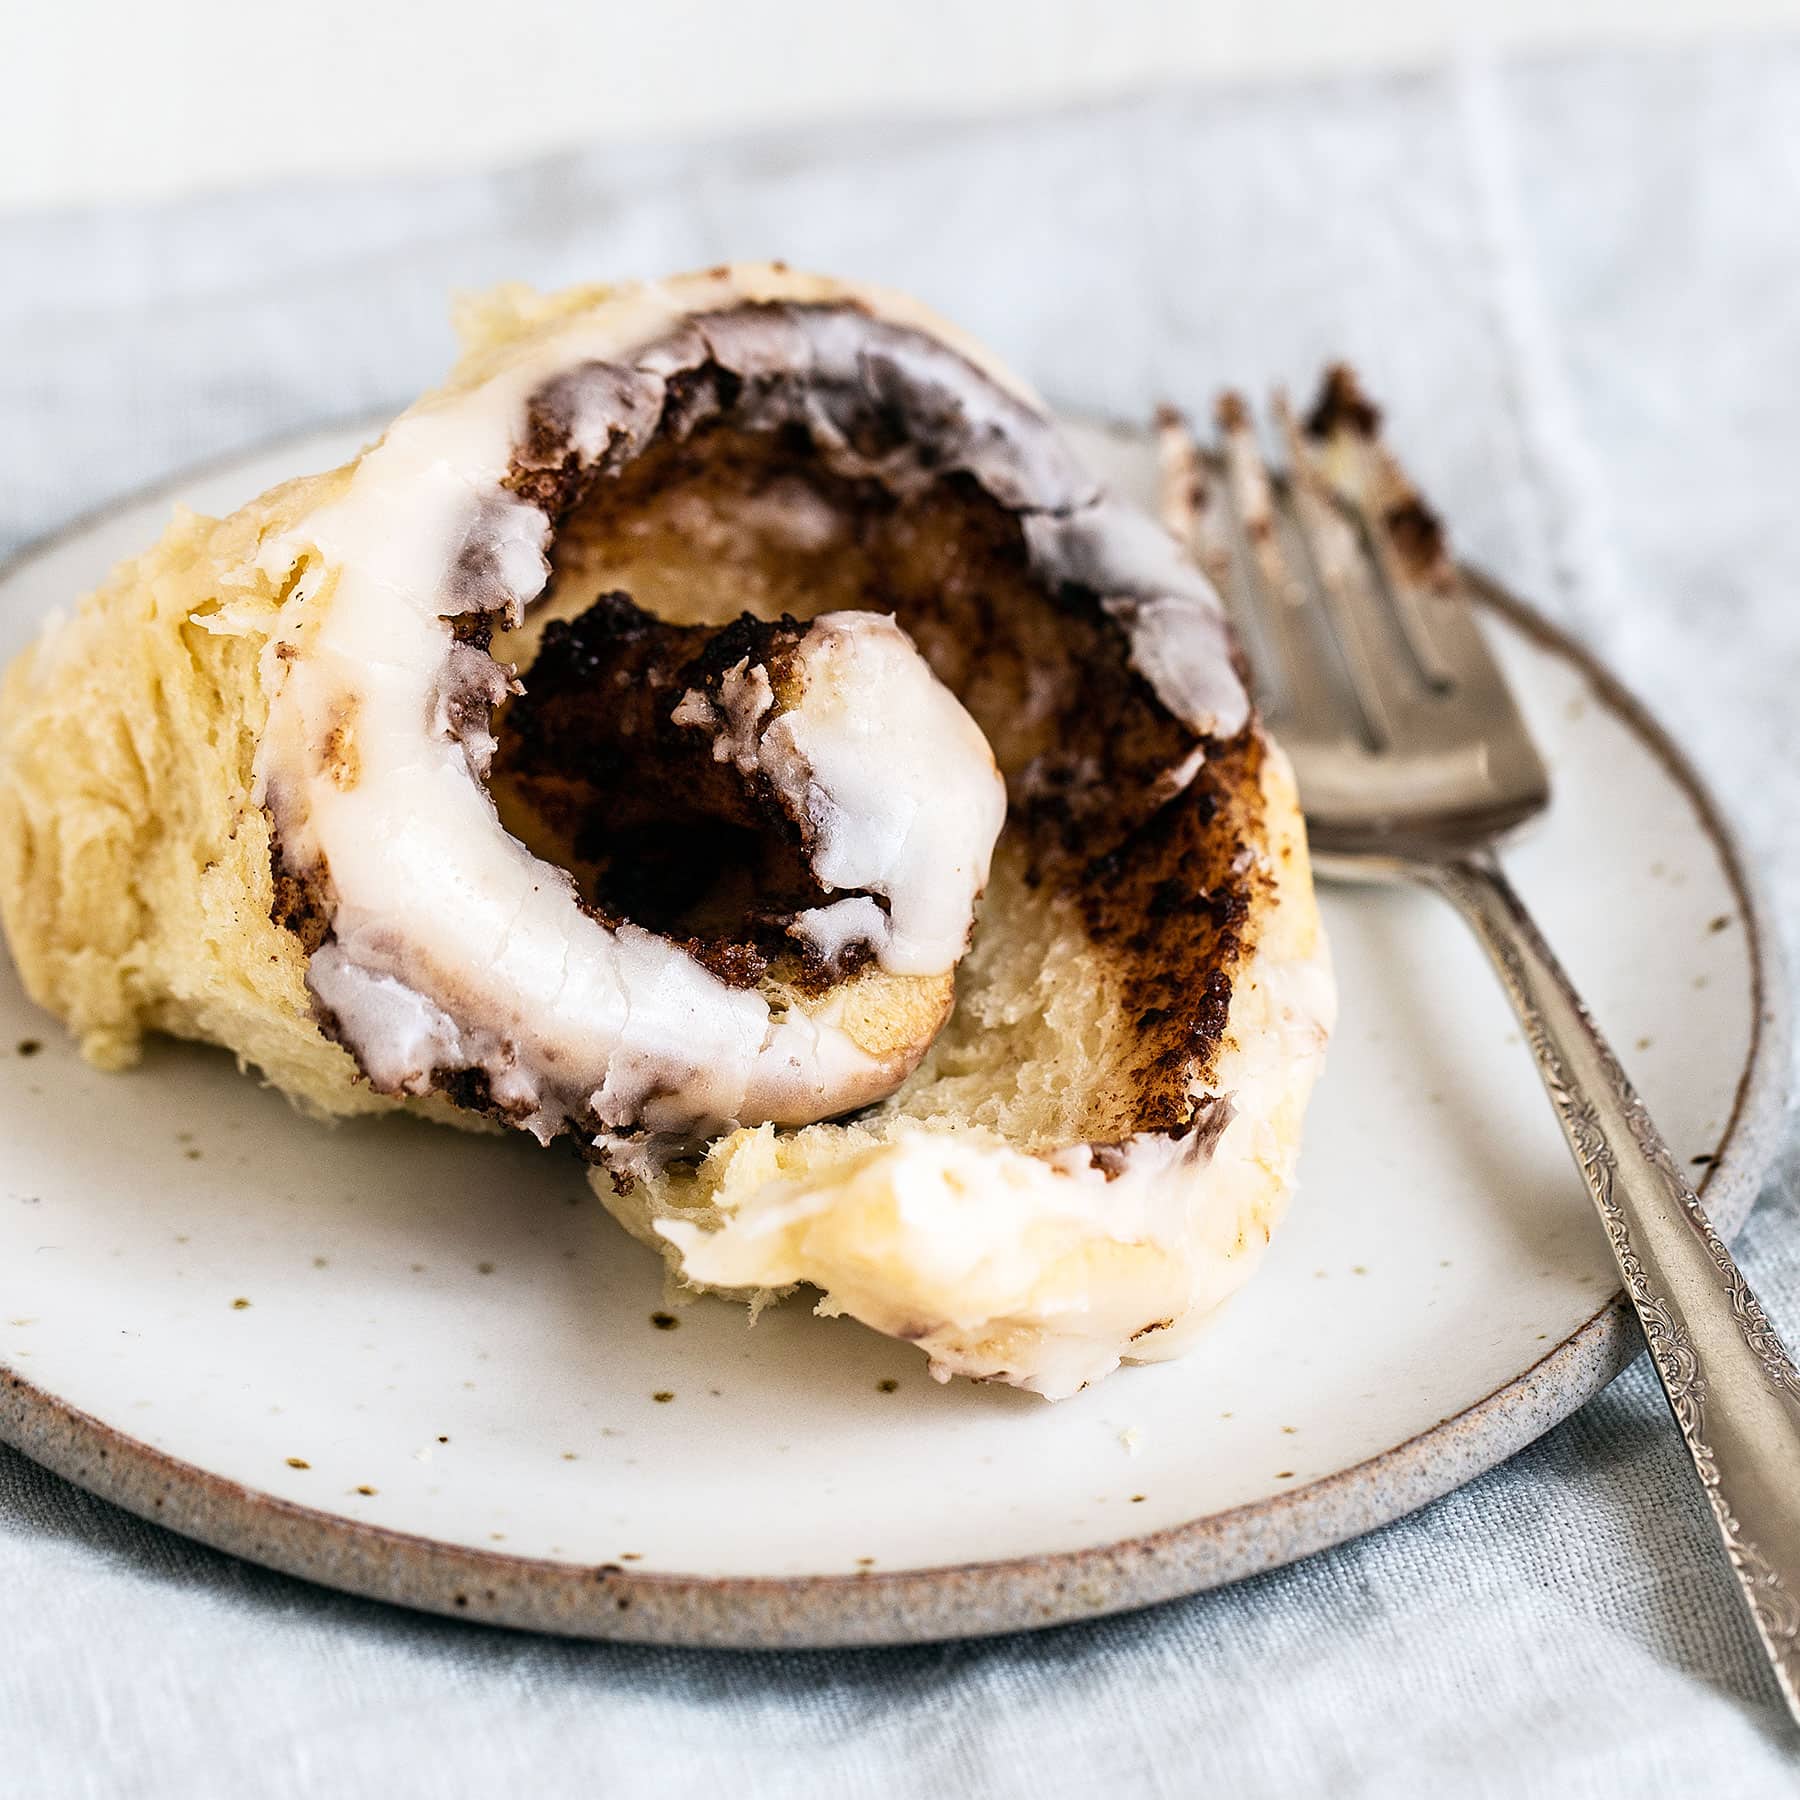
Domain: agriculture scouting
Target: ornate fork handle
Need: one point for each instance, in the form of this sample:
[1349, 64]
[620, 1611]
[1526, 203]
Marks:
[1731, 1385]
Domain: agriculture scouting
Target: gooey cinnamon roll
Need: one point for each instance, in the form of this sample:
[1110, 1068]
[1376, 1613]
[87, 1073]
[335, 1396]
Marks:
[725, 728]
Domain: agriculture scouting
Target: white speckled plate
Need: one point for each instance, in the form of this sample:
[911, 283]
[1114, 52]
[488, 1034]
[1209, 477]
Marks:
[428, 1367]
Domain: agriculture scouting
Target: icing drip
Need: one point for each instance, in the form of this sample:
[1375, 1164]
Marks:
[901, 800]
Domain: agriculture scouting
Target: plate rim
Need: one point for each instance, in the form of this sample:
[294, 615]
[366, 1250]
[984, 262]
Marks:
[608, 1601]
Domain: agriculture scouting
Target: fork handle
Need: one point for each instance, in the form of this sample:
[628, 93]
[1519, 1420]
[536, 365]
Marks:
[1730, 1383]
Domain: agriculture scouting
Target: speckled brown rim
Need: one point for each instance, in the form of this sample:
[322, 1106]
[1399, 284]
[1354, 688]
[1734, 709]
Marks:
[975, 1599]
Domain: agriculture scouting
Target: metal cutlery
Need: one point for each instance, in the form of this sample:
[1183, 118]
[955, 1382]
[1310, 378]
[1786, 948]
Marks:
[1414, 764]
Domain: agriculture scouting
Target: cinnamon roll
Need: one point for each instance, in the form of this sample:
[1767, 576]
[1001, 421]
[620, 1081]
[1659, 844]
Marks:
[727, 728]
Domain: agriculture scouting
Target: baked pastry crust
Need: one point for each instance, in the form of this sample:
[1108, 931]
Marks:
[1092, 1151]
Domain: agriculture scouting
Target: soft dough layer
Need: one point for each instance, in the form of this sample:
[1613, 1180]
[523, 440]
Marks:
[971, 1213]
[137, 874]
[1093, 1151]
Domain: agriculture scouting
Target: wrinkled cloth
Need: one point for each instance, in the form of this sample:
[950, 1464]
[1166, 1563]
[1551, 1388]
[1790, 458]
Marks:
[1572, 284]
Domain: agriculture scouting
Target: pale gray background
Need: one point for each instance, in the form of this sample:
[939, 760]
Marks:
[1575, 284]
[122, 101]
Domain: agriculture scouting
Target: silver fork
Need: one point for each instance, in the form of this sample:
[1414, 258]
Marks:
[1413, 763]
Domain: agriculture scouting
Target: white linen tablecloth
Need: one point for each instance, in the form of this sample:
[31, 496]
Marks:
[1574, 284]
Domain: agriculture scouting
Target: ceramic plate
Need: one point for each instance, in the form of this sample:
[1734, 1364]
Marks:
[430, 1368]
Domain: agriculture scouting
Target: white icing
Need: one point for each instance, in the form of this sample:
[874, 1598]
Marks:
[902, 797]
[407, 1036]
[450, 939]
[470, 675]
[890, 779]
[501, 564]
[831, 930]
[1180, 641]
[745, 698]
[434, 899]
[693, 708]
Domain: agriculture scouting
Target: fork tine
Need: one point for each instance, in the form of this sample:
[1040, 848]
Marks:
[1403, 534]
[1403, 552]
[1277, 592]
[1406, 546]
[1190, 502]
[1323, 558]
[1352, 594]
